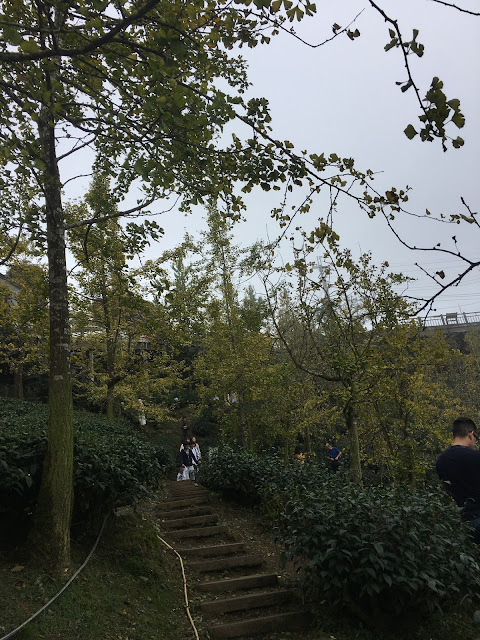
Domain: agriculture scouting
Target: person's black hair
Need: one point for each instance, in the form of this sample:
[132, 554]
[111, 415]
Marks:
[462, 427]
[298, 449]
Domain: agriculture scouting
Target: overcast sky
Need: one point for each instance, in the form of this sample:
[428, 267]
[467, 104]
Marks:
[342, 98]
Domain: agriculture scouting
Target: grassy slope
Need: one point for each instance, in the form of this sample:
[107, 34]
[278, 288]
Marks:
[131, 588]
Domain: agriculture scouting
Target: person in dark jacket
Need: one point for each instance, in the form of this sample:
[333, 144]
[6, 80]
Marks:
[187, 458]
[333, 455]
[459, 469]
[185, 427]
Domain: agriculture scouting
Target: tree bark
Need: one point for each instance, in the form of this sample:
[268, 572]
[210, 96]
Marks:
[352, 428]
[111, 343]
[243, 421]
[51, 532]
[308, 441]
[18, 381]
[109, 408]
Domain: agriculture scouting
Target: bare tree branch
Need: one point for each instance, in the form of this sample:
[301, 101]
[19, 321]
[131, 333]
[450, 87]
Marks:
[305, 42]
[81, 175]
[454, 6]
[472, 264]
[14, 246]
[404, 50]
[122, 214]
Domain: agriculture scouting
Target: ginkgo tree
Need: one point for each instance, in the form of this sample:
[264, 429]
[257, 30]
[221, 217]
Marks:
[117, 328]
[406, 419]
[332, 335]
[139, 83]
[24, 320]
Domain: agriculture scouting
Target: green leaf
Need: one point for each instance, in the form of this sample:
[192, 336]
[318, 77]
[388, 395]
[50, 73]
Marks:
[29, 46]
[454, 103]
[291, 13]
[458, 142]
[391, 44]
[12, 35]
[410, 132]
[458, 119]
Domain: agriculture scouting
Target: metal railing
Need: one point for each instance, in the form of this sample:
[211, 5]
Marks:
[453, 319]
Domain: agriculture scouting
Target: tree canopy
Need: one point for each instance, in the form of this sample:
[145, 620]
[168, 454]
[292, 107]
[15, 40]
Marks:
[150, 86]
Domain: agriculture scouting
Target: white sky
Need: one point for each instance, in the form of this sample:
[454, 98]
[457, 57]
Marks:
[342, 98]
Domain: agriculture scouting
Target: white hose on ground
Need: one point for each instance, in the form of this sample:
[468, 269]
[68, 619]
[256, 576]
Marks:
[12, 633]
[187, 608]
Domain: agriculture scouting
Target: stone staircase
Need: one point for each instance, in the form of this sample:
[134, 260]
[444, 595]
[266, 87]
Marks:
[226, 585]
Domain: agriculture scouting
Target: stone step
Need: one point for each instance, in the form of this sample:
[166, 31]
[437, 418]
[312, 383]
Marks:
[183, 495]
[232, 562]
[180, 490]
[181, 523]
[179, 503]
[212, 551]
[187, 495]
[292, 621]
[250, 601]
[184, 513]
[185, 485]
[200, 532]
[258, 581]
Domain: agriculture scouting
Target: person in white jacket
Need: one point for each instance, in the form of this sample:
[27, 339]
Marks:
[195, 448]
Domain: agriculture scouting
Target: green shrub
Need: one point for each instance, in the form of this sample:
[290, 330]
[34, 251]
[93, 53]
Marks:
[383, 552]
[254, 479]
[234, 472]
[113, 466]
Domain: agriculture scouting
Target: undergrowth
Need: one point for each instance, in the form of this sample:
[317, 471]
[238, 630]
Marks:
[131, 588]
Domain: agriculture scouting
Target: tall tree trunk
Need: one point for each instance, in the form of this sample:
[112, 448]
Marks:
[111, 343]
[110, 390]
[51, 533]
[308, 442]
[243, 422]
[18, 381]
[352, 428]
[91, 366]
[407, 456]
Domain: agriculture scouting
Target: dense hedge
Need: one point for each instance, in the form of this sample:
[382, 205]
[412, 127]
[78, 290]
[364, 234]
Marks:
[382, 552]
[113, 466]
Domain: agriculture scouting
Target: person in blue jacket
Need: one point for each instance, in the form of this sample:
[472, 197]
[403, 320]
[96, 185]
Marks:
[333, 455]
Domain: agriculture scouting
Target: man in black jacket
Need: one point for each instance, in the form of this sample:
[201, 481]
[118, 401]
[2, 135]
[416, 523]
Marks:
[459, 468]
